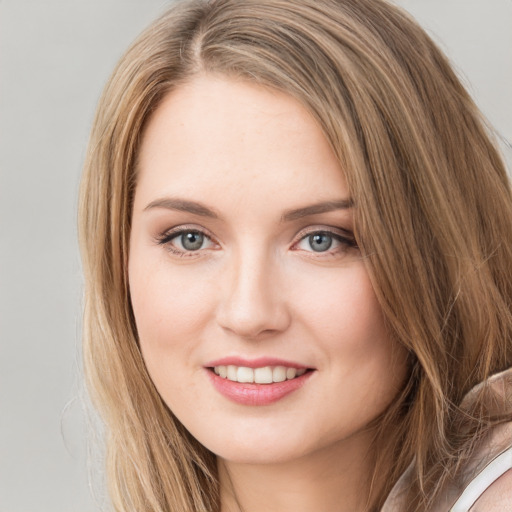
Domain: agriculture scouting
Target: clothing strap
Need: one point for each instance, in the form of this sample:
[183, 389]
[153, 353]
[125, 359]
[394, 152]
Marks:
[496, 468]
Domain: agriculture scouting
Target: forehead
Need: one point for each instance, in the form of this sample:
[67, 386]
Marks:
[217, 135]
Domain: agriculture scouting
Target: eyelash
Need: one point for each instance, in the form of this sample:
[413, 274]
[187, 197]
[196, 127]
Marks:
[344, 237]
[166, 238]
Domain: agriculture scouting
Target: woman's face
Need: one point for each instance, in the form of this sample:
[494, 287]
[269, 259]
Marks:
[243, 267]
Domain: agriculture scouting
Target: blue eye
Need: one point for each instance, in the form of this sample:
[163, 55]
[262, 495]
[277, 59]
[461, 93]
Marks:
[191, 240]
[185, 241]
[320, 242]
[326, 242]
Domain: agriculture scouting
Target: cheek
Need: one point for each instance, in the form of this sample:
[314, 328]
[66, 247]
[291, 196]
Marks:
[166, 306]
[167, 302]
[365, 366]
[166, 320]
[343, 310]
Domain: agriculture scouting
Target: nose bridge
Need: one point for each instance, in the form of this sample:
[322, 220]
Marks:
[253, 299]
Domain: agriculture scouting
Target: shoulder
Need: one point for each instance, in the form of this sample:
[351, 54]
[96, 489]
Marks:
[484, 482]
[497, 497]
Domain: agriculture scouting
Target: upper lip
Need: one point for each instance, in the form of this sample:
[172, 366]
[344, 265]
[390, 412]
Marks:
[259, 362]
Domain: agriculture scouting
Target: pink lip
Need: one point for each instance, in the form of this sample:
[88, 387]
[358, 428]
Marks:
[255, 394]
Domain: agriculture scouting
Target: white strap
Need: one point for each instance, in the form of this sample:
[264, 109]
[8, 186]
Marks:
[497, 467]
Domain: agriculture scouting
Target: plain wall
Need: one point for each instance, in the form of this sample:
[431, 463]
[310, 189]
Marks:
[55, 56]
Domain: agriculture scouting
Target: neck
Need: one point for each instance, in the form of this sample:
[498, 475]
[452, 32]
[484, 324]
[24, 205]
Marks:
[335, 478]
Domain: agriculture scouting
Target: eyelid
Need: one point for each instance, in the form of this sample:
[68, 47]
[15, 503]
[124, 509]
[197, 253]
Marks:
[176, 230]
[344, 234]
[344, 238]
[165, 237]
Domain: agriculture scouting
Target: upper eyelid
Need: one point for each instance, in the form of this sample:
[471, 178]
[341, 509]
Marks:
[343, 236]
[310, 230]
[166, 238]
[177, 230]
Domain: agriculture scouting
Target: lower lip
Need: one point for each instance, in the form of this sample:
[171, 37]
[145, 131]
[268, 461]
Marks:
[256, 394]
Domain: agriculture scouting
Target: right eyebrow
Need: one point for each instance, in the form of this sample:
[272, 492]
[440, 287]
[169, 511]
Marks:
[182, 205]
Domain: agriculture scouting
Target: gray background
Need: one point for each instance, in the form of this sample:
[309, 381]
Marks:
[55, 56]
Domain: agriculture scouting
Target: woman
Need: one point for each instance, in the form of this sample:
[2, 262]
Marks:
[297, 241]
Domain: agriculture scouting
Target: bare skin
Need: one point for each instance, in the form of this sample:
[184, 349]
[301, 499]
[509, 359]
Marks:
[245, 174]
[497, 498]
[321, 482]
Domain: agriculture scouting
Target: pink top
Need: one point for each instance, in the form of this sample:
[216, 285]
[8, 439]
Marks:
[485, 484]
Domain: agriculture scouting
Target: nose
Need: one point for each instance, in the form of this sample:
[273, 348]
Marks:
[253, 301]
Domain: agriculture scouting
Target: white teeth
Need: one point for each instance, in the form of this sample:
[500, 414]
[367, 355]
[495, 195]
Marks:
[264, 375]
[231, 373]
[279, 374]
[245, 374]
[290, 373]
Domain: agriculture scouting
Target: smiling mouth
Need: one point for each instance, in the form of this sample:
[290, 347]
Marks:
[263, 375]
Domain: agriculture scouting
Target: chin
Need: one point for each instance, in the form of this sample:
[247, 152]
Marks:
[269, 445]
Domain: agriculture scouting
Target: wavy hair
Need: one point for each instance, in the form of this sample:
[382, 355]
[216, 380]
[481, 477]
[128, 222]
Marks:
[433, 219]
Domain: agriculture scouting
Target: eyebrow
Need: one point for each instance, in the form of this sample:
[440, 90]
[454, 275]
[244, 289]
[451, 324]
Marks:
[314, 209]
[200, 209]
[182, 205]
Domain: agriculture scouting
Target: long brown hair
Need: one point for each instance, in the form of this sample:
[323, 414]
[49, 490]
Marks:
[433, 220]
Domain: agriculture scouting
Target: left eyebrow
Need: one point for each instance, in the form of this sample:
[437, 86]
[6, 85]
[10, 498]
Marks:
[314, 209]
